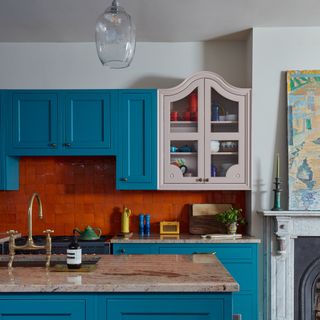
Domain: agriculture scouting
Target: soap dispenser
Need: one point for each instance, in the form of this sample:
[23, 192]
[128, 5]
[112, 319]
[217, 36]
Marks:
[74, 254]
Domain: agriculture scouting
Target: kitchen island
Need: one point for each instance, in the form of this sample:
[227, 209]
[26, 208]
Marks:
[130, 287]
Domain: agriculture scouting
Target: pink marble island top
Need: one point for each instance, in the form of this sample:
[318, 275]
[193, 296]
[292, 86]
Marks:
[126, 273]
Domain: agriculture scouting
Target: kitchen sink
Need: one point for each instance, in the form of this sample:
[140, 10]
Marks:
[40, 260]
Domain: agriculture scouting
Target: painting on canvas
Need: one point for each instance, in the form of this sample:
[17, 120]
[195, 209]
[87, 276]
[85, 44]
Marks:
[303, 89]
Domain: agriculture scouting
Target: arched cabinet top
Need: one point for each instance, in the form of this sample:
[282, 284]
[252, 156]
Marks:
[218, 83]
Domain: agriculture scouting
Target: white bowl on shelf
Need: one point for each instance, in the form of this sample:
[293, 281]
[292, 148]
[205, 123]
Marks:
[231, 117]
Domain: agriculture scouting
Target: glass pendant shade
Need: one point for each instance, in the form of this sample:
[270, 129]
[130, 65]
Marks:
[115, 37]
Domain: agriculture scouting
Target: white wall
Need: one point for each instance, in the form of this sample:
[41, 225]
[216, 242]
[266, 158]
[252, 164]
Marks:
[76, 65]
[275, 50]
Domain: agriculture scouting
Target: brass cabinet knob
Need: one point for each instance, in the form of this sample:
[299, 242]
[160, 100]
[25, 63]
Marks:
[122, 251]
[52, 145]
[124, 179]
[206, 180]
[199, 180]
[67, 144]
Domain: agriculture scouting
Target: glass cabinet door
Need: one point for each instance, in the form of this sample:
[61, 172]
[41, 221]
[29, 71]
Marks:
[183, 143]
[224, 135]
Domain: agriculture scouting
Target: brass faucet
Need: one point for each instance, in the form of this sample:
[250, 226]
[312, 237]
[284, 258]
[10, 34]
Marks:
[30, 243]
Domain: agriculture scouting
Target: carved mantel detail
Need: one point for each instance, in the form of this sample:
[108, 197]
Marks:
[280, 230]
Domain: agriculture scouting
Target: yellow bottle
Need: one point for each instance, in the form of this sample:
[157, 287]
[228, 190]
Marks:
[125, 220]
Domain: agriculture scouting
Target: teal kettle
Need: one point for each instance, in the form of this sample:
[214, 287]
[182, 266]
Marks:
[89, 233]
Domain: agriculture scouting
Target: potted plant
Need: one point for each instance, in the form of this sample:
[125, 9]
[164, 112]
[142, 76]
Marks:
[231, 219]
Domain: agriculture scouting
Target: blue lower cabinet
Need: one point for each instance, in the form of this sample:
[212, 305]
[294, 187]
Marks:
[169, 307]
[241, 260]
[29, 307]
[137, 143]
[116, 306]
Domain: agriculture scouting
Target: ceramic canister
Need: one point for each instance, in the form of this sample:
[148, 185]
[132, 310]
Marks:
[214, 145]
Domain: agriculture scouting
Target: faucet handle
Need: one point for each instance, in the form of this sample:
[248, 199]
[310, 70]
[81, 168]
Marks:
[12, 232]
[48, 231]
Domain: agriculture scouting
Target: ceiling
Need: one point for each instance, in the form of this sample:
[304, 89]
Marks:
[156, 20]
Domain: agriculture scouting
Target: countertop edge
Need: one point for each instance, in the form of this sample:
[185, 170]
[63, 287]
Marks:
[185, 239]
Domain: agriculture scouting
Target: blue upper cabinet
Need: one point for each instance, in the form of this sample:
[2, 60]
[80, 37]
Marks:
[65, 122]
[34, 120]
[88, 121]
[9, 166]
[137, 143]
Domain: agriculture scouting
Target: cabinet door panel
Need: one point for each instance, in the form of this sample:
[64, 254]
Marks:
[88, 120]
[170, 308]
[246, 305]
[34, 120]
[9, 166]
[34, 309]
[137, 167]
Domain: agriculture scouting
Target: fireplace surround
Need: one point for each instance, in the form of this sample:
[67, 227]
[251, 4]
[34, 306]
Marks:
[291, 271]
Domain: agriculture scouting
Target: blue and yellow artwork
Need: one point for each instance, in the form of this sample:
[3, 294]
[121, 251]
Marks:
[303, 89]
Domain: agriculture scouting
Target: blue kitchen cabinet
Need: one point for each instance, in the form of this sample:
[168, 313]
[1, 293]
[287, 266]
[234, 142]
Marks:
[240, 259]
[137, 143]
[168, 307]
[61, 122]
[34, 121]
[9, 166]
[116, 306]
[89, 121]
[42, 307]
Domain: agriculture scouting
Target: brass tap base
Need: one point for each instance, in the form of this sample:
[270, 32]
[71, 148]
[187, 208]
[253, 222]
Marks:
[29, 246]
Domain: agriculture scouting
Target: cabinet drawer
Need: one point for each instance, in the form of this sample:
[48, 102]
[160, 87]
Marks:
[173, 307]
[42, 309]
[224, 253]
[134, 249]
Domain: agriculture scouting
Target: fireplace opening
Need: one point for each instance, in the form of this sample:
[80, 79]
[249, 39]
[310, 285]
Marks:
[307, 278]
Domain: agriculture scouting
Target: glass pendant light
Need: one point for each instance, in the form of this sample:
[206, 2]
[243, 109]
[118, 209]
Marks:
[115, 37]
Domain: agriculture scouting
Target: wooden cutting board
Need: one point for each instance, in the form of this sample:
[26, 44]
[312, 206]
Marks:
[202, 218]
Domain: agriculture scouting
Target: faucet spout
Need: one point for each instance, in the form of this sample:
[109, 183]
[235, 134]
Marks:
[34, 196]
[30, 244]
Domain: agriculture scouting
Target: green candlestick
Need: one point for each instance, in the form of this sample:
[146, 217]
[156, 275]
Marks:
[277, 195]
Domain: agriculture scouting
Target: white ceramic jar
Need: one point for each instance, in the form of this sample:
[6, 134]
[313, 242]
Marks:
[214, 145]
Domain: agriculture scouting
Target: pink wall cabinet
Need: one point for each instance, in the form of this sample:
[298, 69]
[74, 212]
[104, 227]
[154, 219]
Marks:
[204, 135]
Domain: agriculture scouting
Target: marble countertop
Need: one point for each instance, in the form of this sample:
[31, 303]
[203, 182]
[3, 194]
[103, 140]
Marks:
[181, 238]
[125, 273]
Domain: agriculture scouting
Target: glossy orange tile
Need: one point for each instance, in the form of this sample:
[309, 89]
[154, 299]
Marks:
[80, 191]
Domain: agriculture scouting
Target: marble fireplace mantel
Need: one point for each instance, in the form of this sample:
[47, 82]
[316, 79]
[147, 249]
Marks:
[280, 230]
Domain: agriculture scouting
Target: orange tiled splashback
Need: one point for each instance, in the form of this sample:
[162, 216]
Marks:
[80, 191]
